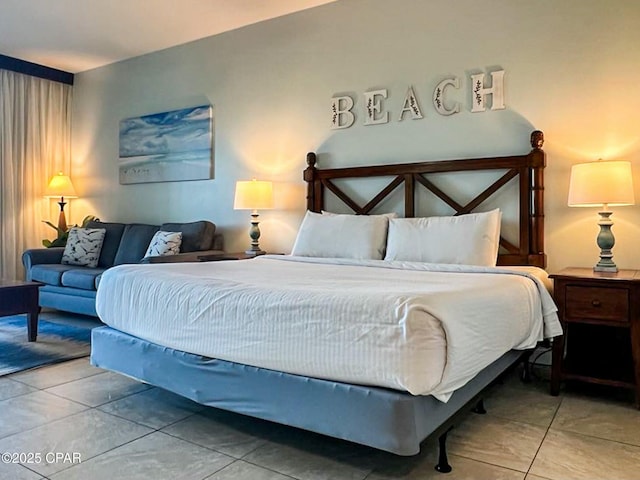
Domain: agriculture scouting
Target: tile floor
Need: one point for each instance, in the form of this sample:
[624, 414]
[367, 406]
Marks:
[119, 428]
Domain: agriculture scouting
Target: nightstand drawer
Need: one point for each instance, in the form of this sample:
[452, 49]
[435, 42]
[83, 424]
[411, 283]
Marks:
[597, 303]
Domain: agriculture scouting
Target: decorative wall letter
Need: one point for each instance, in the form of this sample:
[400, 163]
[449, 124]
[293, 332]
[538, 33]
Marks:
[375, 101]
[438, 96]
[478, 91]
[374, 105]
[341, 114]
[410, 105]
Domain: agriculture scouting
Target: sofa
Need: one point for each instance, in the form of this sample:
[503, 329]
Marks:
[73, 288]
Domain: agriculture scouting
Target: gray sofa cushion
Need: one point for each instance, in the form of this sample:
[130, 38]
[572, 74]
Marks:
[111, 242]
[196, 236]
[134, 243]
[83, 278]
[49, 273]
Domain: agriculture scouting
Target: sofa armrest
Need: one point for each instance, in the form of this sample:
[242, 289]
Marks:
[181, 257]
[37, 256]
[217, 244]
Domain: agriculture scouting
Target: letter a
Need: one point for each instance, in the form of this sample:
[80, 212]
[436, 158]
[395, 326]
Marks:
[410, 105]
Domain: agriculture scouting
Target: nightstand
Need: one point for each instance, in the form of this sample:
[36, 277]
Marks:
[225, 256]
[229, 256]
[600, 315]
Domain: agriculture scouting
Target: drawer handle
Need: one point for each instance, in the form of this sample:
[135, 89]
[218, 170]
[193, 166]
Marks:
[595, 303]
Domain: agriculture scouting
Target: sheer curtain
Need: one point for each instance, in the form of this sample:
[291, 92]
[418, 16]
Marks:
[35, 143]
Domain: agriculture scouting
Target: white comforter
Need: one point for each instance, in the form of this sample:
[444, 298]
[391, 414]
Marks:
[423, 328]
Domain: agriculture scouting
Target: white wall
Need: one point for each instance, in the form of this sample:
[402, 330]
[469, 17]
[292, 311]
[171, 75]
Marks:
[571, 70]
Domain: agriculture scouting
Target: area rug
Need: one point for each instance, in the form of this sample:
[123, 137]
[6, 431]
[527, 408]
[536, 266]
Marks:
[57, 341]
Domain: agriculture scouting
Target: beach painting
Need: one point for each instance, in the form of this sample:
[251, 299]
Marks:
[172, 146]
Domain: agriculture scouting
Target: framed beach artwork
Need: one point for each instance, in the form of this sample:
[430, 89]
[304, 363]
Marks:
[171, 146]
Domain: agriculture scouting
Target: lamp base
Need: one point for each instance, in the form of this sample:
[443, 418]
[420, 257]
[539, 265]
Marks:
[605, 241]
[255, 253]
[610, 269]
[254, 233]
[62, 221]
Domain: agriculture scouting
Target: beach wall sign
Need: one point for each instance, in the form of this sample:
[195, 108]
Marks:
[375, 110]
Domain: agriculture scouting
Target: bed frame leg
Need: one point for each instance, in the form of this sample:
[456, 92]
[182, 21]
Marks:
[526, 370]
[479, 408]
[443, 463]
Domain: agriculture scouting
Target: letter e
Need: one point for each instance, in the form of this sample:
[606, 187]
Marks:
[373, 106]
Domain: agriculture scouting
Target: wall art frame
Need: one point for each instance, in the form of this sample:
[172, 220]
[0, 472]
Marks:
[170, 146]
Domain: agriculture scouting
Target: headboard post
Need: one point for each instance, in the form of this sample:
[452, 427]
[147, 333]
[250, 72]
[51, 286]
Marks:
[313, 183]
[537, 163]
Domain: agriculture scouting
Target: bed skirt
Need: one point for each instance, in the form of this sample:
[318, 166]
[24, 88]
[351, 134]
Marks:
[382, 418]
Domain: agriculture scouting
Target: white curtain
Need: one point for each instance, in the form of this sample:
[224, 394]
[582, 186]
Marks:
[35, 143]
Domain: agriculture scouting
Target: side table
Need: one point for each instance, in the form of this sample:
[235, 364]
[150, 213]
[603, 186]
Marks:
[229, 256]
[600, 315]
[18, 297]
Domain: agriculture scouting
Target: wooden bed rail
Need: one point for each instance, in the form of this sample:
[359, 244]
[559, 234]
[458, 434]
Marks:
[529, 168]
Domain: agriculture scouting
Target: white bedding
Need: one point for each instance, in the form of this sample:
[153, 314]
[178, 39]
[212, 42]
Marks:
[423, 328]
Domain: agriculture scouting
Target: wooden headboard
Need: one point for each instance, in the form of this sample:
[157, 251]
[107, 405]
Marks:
[529, 168]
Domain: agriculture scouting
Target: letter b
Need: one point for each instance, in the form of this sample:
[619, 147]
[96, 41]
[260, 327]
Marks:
[341, 114]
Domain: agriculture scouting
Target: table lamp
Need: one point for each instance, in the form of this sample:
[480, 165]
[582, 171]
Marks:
[253, 195]
[602, 184]
[60, 186]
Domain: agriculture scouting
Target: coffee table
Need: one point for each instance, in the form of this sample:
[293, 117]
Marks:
[21, 297]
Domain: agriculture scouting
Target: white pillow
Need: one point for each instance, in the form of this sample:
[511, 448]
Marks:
[164, 243]
[471, 239]
[341, 236]
[83, 246]
[388, 215]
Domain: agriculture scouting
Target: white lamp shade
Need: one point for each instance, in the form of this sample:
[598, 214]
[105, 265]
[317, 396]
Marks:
[60, 186]
[253, 195]
[601, 183]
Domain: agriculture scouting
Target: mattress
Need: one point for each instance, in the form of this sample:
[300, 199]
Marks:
[421, 328]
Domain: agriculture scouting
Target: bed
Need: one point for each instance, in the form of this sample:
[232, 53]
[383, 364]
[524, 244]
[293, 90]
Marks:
[310, 341]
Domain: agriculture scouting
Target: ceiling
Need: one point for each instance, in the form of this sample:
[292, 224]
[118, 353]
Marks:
[78, 35]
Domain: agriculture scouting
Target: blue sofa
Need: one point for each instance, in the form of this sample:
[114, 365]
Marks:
[73, 288]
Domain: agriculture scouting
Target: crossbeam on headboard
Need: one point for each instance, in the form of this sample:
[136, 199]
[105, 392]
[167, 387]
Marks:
[529, 168]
